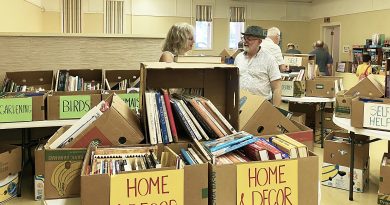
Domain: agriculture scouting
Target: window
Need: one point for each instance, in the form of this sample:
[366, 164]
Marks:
[71, 16]
[113, 16]
[203, 27]
[236, 27]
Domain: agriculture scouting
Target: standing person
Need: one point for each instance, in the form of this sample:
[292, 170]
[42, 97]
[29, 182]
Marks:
[179, 40]
[291, 49]
[323, 59]
[271, 46]
[364, 69]
[259, 72]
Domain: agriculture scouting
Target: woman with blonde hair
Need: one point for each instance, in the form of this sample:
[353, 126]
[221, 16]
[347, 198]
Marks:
[179, 40]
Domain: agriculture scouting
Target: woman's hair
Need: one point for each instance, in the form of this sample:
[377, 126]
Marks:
[177, 38]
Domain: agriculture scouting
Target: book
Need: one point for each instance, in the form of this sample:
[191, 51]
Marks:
[187, 158]
[273, 152]
[197, 59]
[94, 136]
[193, 119]
[228, 140]
[163, 125]
[302, 149]
[188, 126]
[90, 117]
[285, 147]
[172, 123]
[220, 116]
[256, 152]
[215, 125]
[150, 118]
[167, 123]
[234, 147]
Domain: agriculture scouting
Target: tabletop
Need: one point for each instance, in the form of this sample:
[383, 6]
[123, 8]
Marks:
[309, 99]
[346, 124]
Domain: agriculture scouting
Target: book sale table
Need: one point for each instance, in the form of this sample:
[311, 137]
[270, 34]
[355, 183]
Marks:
[26, 135]
[378, 134]
[316, 100]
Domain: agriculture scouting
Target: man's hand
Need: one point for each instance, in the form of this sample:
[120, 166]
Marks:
[276, 87]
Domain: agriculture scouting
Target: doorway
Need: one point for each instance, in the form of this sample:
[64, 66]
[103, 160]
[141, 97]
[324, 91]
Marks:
[331, 37]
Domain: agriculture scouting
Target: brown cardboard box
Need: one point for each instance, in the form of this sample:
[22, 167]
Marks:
[131, 99]
[62, 160]
[115, 76]
[384, 175]
[39, 178]
[218, 81]
[343, 105]
[229, 54]
[305, 135]
[293, 88]
[368, 87]
[10, 160]
[338, 152]
[229, 183]
[38, 79]
[260, 117]
[300, 60]
[309, 109]
[119, 125]
[192, 189]
[299, 117]
[344, 67]
[327, 119]
[323, 87]
[82, 102]
[383, 199]
[370, 113]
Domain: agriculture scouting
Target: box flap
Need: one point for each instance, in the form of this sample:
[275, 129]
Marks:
[115, 76]
[369, 87]
[260, 117]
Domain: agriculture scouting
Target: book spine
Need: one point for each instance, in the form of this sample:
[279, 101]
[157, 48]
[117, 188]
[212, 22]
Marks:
[186, 157]
[205, 126]
[188, 120]
[273, 152]
[212, 128]
[220, 116]
[156, 118]
[169, 133]
[150, 119]
[215, 122]
[163, 125]
[172, 123]
[229, 143]
[234, 147]
[182, 120]
[194, 121]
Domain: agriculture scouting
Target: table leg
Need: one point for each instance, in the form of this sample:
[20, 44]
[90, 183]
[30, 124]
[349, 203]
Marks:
[322, 108]
[24, 134]
[388, 146]
[351, 165]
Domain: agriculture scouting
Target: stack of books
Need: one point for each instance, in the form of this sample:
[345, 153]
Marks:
[123, 84]
[10, 86]
[116, 160]
[66, 82]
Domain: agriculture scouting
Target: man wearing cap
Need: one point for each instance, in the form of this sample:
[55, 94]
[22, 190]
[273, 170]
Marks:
[291, 49]
[270, 45]
[259, 72]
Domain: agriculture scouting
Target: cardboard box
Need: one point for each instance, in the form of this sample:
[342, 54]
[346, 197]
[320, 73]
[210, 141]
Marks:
[10, 160]
[383, 199]
[323, 87]
[297, 178]
[228, 55]
[304, 135]
[300, 60]
[293, 88]
[56, 161]
[370, 113]
[131, 99]
[368, 87]
[116, 76]
[339, 152]
[384, 175]
[343, 105]
[327, 120]
[299, 117]
[220, 84]
[309, 109]
[344, 67]
[168, 185]
[260, 117]
[71, 105]
[117, 126]
[337, 176]
[38, 79]
[10, 166]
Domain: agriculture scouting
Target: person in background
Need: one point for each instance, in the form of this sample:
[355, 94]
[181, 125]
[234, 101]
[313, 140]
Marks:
[291, 49]
[323, 59]
[259, 71]
[271, 46]
[179, 40]
[364, 69]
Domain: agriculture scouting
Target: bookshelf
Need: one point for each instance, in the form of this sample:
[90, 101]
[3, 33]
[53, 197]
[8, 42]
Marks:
[387, 78]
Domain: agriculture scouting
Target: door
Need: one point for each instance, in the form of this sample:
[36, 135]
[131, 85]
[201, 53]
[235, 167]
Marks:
[331, 36]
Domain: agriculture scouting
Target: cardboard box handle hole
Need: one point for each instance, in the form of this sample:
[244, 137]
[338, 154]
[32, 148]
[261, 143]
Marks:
[260, 129]
[122, 140]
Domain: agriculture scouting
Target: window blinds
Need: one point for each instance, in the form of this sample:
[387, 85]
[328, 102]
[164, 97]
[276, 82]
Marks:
[113, 17]
[237, 14]
[204, 13]
[71, 16]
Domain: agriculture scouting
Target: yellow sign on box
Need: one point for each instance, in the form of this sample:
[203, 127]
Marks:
[271, 182]
[164, 187]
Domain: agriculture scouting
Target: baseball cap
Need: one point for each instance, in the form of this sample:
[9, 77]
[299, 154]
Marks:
[256, 31]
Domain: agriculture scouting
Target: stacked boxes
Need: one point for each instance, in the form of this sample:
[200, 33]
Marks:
[10, 166]
[384, 181]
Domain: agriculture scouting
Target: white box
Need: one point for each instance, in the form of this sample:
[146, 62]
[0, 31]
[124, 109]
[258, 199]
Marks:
[39, 187]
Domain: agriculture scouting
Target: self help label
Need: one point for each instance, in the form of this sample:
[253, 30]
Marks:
[376, 116]
[273, 183]
[148, 188]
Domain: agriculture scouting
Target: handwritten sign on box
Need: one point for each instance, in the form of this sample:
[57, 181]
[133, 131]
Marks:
[148, 188]
[74, 106]
[131, 99]
[376, 116]
[271, 182]
[293, 60]
[15, 109]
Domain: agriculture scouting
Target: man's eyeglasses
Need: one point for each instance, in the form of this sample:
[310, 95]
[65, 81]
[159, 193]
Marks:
[249, 38]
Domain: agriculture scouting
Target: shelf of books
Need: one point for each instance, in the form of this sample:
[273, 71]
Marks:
[186, 148]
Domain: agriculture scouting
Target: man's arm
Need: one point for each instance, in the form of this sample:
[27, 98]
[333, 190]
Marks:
[329, 67]
[276, 87]
[283, 68]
